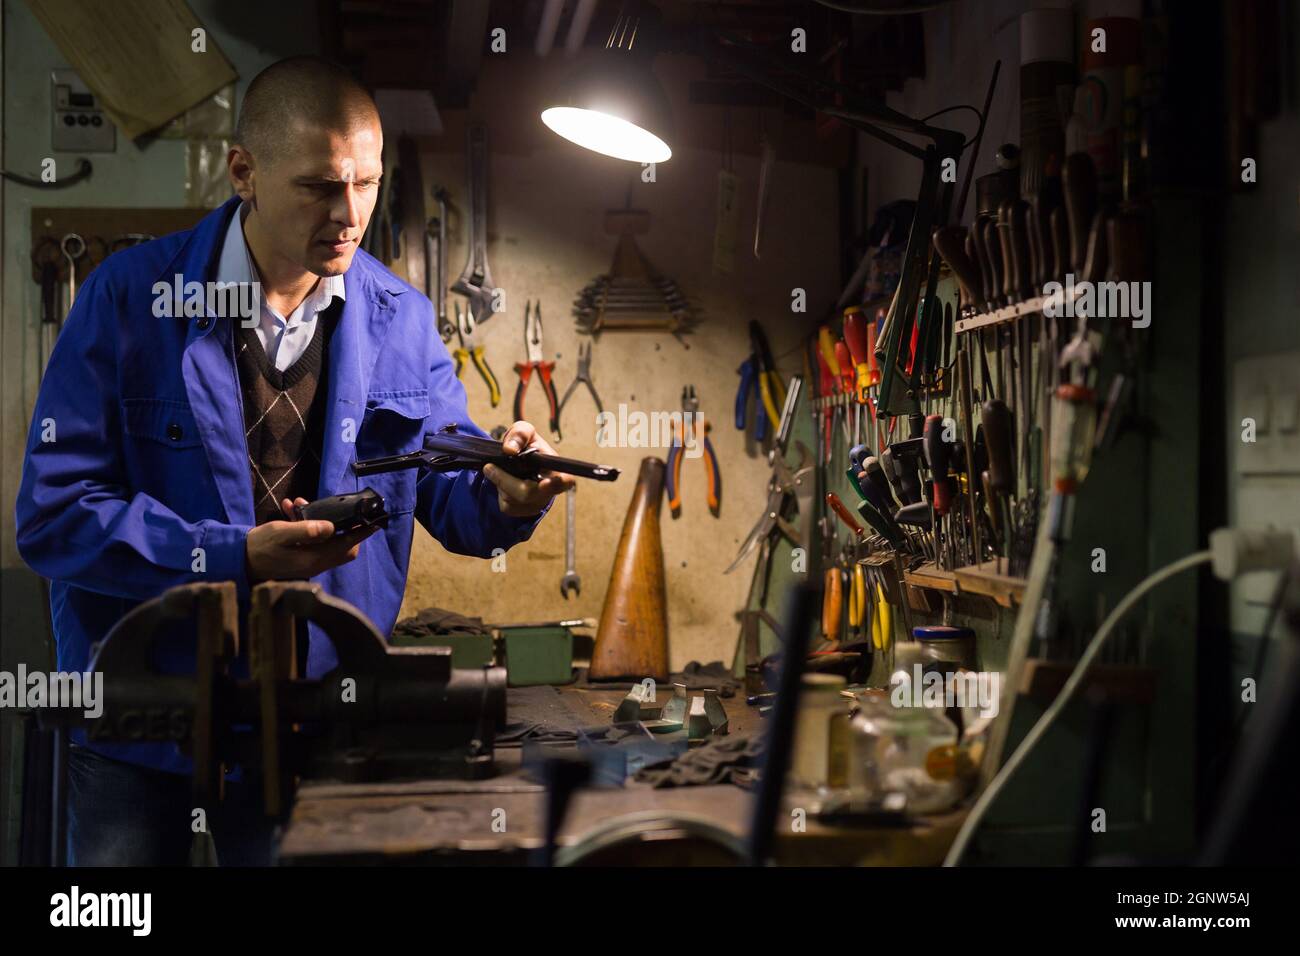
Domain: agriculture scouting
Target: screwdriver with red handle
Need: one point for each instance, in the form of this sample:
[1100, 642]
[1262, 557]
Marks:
[826, 390]
[858, 336]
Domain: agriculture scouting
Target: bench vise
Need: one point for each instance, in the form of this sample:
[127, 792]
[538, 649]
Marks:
[384, 713]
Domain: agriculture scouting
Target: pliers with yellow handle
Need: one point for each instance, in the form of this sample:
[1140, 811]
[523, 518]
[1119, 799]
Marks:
[857, 598]
[763, 373]
[467, 335]
[881, 621]
[832, 605]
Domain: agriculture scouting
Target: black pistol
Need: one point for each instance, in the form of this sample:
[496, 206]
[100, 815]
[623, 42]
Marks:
[358, 509]
[448, 450]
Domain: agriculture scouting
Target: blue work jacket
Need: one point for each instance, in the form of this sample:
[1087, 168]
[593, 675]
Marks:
[148, 460]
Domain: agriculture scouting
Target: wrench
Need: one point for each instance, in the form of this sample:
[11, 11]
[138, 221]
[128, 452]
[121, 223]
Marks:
[437, 236]
[475, 282]
[570, 579]
[72, 242]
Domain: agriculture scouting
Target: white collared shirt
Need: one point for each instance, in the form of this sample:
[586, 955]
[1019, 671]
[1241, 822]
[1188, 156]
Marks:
[285, 338]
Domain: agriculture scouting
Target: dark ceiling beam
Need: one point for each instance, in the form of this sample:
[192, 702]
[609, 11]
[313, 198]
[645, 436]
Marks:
[462, 51]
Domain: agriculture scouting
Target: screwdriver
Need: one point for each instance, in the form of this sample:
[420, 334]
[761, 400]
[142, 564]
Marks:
[826, 348]
[950, 243]
[838, 507]
[845, 362]
[938, 455]
[1079, 181]
[857, 454]
[876, 511]
[996, 418]
[857, 335]
[826, 391]
[889, 468]
[907, 456]
[995, 517]
[876, 479]
[917, 515]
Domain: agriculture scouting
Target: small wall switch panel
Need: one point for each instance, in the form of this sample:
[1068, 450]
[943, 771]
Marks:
[77, 124]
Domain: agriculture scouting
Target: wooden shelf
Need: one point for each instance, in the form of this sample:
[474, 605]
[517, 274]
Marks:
[985, 579]
[932, 577]
[982, 579]
[1043, 680]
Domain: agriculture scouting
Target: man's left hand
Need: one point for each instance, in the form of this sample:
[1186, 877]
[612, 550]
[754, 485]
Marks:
[520, 497]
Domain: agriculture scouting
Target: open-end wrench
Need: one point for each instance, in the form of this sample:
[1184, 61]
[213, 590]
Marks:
[570, 579]
[475, 282]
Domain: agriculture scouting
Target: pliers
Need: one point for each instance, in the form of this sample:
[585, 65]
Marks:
[467, 335]
[583, 376]
[697, 428]
[533, 345]
[858, 610]
[757, 373]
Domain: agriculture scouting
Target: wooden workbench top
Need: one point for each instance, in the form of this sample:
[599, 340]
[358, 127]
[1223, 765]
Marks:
[498, 821]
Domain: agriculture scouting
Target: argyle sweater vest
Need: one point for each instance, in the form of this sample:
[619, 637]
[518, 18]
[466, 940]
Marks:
[284, 416]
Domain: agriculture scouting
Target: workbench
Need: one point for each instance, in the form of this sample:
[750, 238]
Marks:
[498, 821]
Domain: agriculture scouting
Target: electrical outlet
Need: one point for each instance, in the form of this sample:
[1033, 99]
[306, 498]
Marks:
[77, 124]
[1267, 391]
[1265, 480]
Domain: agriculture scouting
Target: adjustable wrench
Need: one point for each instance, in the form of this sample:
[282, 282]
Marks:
[475, 282]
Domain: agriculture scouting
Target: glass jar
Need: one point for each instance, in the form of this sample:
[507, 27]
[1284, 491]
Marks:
[902, 749]
[819, 702]
[947, 645]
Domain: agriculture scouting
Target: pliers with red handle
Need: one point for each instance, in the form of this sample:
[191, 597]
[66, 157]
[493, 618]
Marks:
[693, 427]
[533, 344]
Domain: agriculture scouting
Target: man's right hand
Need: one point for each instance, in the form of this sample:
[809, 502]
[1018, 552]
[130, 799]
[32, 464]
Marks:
[296, 549]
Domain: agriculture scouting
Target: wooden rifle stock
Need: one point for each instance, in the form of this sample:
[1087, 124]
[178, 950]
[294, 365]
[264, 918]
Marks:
[632, 639]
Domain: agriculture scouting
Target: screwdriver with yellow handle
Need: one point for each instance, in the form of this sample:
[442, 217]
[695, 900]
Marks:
[826, 345]
[826, 342]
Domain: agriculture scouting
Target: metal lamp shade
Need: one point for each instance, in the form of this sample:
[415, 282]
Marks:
[614, 105]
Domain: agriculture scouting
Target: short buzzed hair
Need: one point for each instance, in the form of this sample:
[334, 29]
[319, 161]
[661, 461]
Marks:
[306, 88]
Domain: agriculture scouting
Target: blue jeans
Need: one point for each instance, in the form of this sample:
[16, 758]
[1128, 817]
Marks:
[120, 814]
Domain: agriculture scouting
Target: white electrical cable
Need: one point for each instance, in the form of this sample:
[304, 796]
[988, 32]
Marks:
[997, 784]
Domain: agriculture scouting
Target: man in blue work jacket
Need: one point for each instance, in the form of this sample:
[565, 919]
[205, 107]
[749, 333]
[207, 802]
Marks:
[169, 444]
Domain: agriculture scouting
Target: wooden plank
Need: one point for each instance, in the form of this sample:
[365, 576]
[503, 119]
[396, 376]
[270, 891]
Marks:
[141, 60]
[982, 579]
[1043, 680]
[985, 579]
